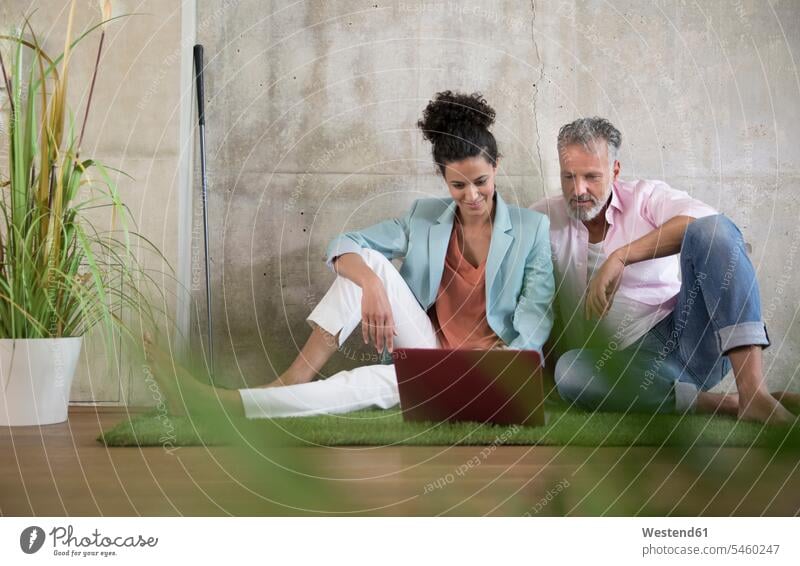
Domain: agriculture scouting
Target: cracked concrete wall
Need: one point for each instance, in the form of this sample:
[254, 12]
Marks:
[311, 111]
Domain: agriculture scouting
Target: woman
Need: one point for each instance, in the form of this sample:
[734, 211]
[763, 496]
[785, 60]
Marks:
[476, 273]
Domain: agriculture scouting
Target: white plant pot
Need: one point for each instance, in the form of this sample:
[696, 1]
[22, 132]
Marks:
[35, 379]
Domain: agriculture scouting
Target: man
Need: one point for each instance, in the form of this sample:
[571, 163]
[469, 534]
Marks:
[659, 287]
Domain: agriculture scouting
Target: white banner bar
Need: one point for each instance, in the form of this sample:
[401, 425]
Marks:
[400, 541]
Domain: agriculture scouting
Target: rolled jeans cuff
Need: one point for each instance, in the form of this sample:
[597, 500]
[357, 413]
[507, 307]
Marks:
[685, 397]
[742, 334]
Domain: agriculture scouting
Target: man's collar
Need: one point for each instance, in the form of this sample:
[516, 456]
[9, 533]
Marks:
[615, 202]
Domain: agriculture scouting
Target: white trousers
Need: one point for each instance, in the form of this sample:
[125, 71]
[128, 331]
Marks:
[373, 386]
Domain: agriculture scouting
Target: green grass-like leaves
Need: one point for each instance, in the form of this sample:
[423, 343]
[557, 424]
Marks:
[59, 275]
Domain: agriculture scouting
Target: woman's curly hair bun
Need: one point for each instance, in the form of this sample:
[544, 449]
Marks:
[457, 125]
[450, 113]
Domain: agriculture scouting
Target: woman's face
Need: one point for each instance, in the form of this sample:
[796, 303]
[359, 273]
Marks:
[471, 184]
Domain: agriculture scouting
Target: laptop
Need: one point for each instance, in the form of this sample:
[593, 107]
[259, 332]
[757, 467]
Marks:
[496, 386]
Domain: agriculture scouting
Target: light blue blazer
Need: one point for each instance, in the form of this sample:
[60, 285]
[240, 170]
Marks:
[519, 268]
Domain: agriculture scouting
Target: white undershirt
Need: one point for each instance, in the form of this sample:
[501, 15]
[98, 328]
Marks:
[627, 320]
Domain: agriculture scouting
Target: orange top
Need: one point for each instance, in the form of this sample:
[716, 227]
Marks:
[460, 308]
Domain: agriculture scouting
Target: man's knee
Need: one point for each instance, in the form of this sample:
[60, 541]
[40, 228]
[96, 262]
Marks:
[716, 232]
[567, 375]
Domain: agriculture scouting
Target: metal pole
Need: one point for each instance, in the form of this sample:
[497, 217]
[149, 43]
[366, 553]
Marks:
[198, 74]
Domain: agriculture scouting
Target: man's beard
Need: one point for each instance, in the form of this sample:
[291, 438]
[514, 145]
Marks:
[587, 214]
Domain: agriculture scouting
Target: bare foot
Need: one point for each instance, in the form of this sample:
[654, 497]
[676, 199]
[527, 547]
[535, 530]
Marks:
[713, 403]
[789, 400]
[158, 361]
[764, 408]
[728, 403]
[185, 394]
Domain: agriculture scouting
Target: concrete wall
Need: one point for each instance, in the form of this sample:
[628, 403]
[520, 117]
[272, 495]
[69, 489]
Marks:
[311, 113]
[312, 106]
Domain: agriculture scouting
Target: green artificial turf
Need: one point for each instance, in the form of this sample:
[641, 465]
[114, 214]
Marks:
[386, 427]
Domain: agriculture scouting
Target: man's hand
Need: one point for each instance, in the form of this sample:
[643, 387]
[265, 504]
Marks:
[603, 286]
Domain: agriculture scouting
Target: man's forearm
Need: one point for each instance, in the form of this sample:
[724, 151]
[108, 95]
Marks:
[663, 241]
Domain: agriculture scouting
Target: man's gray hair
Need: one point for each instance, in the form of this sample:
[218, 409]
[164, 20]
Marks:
[586, 130]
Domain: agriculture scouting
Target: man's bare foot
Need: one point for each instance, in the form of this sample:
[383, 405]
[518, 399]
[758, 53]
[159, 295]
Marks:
[714, 403]
[789, 400]
[728, 403]
[764, 408]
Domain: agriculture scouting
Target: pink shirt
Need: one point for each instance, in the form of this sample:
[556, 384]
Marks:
[636, 208]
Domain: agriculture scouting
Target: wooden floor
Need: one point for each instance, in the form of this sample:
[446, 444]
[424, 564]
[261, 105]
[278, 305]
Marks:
[61, 470]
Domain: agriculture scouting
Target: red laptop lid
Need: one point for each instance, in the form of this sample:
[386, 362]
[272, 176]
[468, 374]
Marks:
[496, 386]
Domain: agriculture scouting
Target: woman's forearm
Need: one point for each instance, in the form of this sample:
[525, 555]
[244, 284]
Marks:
[353, 267]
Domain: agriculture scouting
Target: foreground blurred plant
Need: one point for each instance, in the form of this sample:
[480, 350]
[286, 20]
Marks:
[59, 275]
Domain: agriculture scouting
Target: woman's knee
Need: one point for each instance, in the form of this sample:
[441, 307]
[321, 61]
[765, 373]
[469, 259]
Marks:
[376, 260]
[382, 267]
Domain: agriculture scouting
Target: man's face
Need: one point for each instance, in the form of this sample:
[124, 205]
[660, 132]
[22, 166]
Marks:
[586, 178]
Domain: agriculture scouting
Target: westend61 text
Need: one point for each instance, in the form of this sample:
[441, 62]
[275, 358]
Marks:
[677, 533]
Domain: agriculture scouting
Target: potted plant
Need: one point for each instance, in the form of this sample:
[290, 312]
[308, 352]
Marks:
[60, 275]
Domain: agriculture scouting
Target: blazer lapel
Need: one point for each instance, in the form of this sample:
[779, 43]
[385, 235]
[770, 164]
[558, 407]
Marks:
[501, 240]
[437, 248]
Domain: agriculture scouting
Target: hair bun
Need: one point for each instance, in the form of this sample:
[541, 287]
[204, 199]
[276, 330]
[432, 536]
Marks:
[452, 113]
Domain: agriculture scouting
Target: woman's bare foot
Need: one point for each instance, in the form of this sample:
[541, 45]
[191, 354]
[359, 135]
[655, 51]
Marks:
[157, 361]
[182, 390]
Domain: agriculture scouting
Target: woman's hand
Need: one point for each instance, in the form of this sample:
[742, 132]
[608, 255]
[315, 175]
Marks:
[377, 323]
[603, 286]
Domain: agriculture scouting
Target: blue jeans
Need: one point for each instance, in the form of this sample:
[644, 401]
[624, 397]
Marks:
[718, 308]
